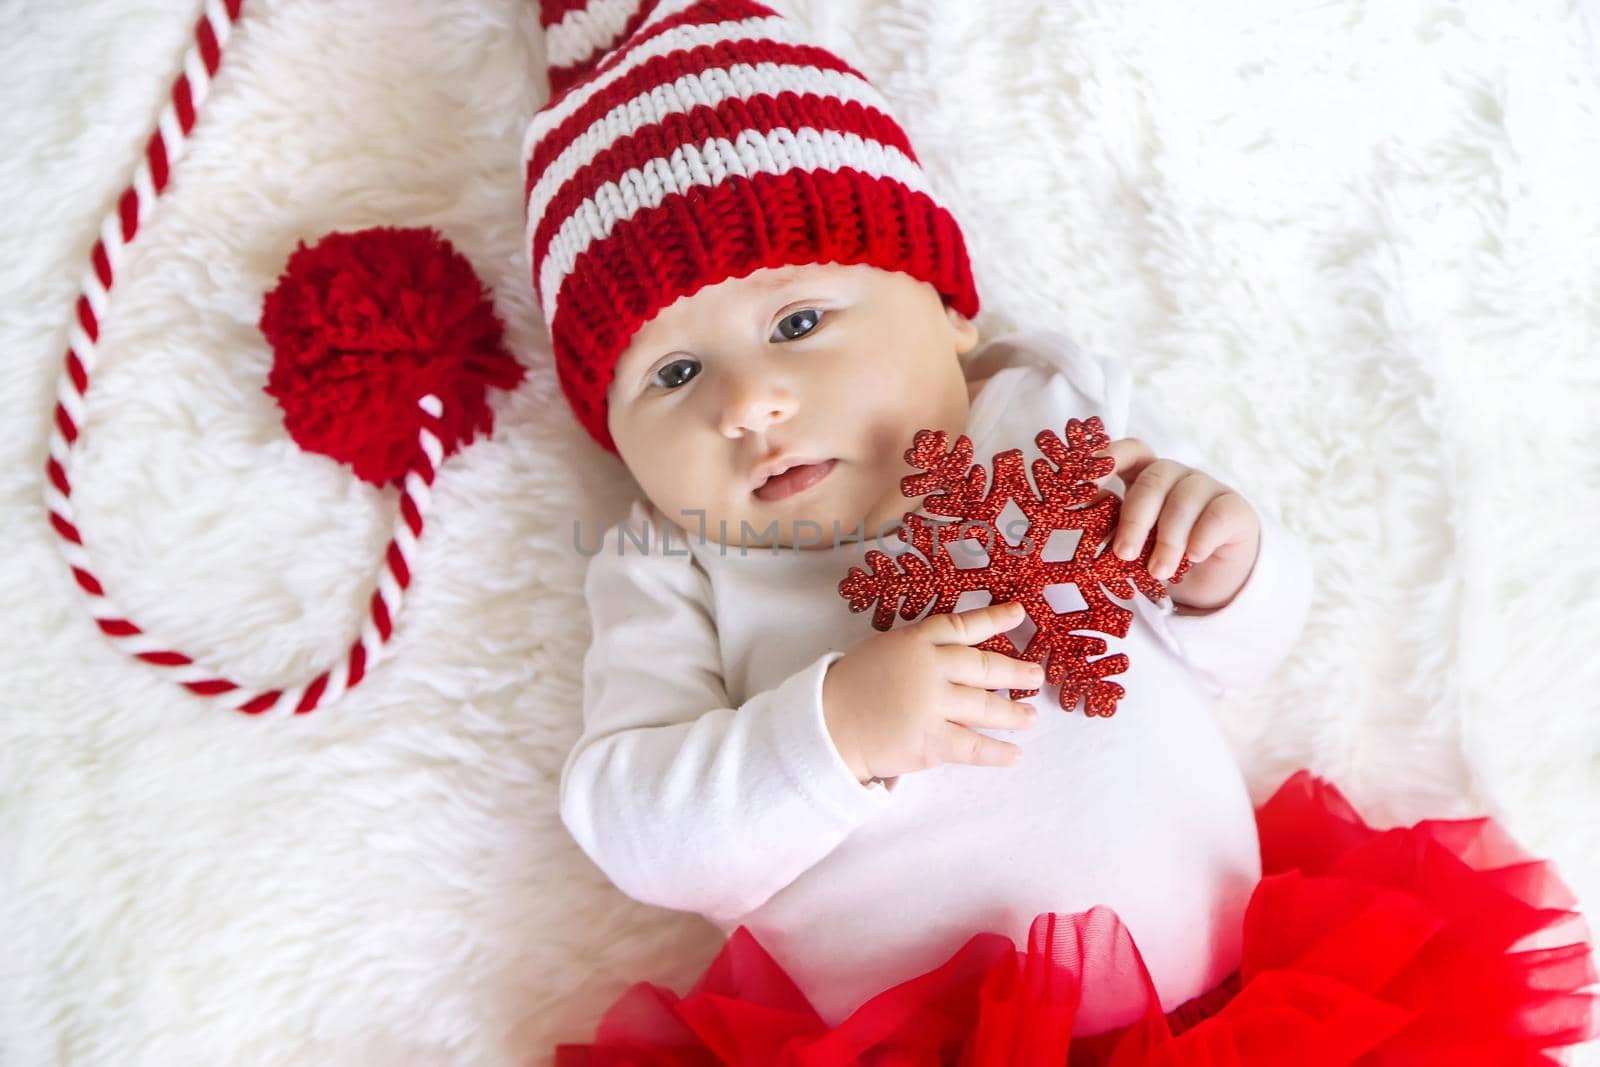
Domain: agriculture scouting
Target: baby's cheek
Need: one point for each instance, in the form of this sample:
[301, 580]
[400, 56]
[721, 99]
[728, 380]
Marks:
[895, 410]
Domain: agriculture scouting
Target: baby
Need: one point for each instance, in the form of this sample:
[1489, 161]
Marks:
[755, 301]
[755, 753]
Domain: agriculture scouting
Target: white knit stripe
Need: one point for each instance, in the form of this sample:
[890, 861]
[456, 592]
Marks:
[431, 405]
[710, 164]
[419, 492]
[283, 707]
[53, 500]
[701, 88]
[338, 680]
[193, 672]
[111, 238]
[586, 30]
[371, 642]
[679, 38]
[221, 24]
[96, 294]
[77, 340]
[71, 402]
[73, 552]
[136, 644]
[172, 138]
[199, 80]
[144, 189]
[389, 590]
[406, 542]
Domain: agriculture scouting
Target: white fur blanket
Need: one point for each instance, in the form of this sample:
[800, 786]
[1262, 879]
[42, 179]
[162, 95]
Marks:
[1351, 247]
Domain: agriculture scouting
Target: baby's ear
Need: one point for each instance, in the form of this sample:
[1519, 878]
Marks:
[966, 331]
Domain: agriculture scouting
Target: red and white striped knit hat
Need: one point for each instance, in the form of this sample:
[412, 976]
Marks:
[691, 141]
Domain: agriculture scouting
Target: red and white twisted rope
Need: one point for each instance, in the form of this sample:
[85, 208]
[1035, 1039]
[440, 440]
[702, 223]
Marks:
[150, 179]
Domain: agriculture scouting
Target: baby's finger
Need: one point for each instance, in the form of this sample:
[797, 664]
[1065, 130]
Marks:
[958, 744]
[974, 626]
[1222, 520]
[1130, 455]
[990, 711]
[986, 669]
[1184, 503]
[1142, 505]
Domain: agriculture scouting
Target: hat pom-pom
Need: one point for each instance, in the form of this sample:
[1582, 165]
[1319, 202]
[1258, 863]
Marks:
[362, 326]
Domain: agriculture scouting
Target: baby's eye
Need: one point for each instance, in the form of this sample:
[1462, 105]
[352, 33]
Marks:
[671, 378]
[808, 317]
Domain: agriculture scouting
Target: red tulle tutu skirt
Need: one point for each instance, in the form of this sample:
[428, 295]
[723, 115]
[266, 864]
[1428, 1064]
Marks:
[1443, 942]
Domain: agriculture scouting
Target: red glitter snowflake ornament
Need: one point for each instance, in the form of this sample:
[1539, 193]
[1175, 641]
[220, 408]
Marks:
[1066, 499]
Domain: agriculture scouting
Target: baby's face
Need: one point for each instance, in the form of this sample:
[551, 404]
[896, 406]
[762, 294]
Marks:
[833, 366]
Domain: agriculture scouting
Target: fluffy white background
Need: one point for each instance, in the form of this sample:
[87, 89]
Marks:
[1349, 245]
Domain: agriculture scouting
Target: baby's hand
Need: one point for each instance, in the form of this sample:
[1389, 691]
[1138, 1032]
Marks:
[1194, 515]
[904, 699]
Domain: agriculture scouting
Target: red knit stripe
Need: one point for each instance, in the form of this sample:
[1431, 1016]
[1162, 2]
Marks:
[262, 702]
[842, 216]
[409, 511]
[80, 377]
[58, 478]
[380, 614]
[666, 69]
[553, 11]
[210, 54]
[128, 213]
[760, 113]
[63, 527]
[358, 663]
[563, 79]
[313, 694]
[233, 7]
[64, 424]
[183, 102]
[88, 581]
[86, 319]
[211, 687]
[117, 627]
[397, 564]
[102, 264]
[156, 153]
[164, 659]
[708, 13]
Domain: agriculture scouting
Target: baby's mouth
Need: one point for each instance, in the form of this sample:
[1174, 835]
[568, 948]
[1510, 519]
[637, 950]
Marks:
[794, 480]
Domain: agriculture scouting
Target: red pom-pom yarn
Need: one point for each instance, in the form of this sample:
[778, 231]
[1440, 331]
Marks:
[363, 325]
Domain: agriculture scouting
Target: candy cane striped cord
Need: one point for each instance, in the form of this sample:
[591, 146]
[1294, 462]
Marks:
[150, 179]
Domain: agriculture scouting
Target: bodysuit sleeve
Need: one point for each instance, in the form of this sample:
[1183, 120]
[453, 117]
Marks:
[682, 800]
[1237, 645]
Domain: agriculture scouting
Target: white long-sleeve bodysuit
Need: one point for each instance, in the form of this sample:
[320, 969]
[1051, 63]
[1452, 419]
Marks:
[705, 779]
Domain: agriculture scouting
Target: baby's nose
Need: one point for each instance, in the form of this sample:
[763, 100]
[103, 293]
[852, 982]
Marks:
[754, 406]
